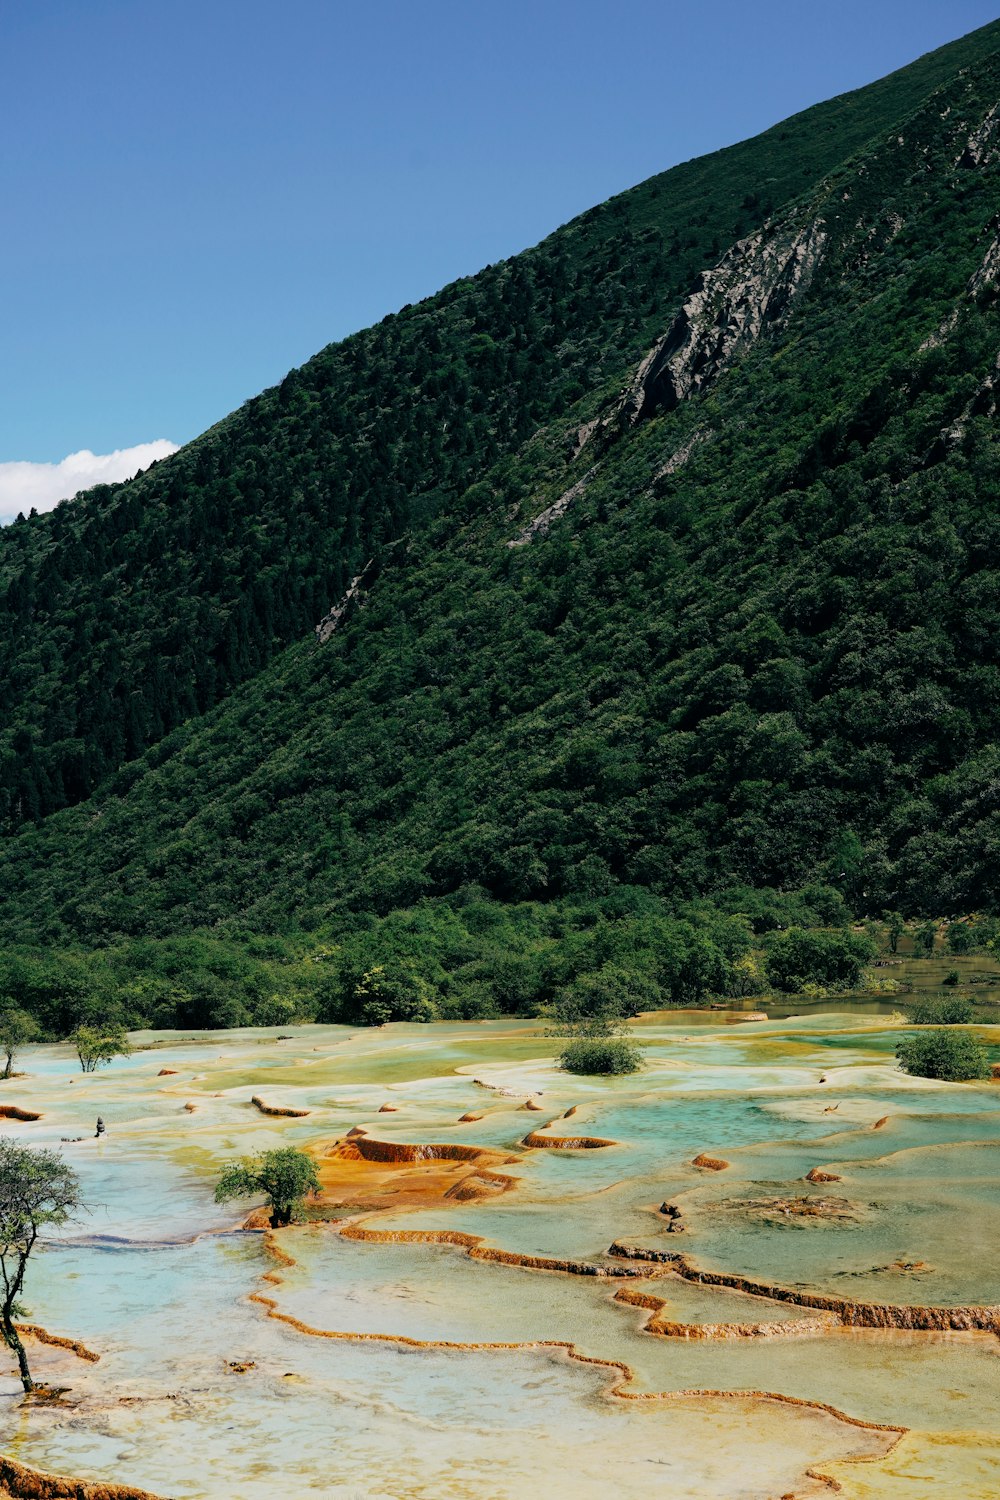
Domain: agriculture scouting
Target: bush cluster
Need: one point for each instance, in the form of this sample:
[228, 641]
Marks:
[601, 1055]
[954, 1056]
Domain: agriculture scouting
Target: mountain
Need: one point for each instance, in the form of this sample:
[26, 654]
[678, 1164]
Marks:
[646, 578]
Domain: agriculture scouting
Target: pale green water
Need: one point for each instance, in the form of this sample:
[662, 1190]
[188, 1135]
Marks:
[153, 1282]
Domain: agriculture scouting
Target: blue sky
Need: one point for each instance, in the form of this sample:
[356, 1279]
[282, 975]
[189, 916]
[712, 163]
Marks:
[200, 195]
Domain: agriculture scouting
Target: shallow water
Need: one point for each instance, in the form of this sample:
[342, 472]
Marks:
[158, 1279]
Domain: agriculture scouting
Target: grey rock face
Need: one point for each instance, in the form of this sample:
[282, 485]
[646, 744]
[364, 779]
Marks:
[752, 290]
[983, 143]
[332, 619]
[541, 523]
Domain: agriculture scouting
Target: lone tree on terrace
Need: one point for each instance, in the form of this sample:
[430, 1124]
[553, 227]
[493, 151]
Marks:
[285, 1177]
[99, 1044]
[16, 1029]
[37, 1188]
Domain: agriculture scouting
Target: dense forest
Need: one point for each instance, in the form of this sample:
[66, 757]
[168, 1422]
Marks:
[647, 658]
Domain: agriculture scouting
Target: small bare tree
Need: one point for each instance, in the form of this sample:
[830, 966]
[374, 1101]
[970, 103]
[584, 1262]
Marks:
[37, 1189]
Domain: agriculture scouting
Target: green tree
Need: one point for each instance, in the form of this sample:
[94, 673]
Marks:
[833, 959]
[95, 1045]
[952, 1055]
[285, 1177]
[376, 995]
[17, 1028]
[924, 939]
[37, 1189]
[599, 1003]
[960, 937]
[593, 1012]
[895, 927]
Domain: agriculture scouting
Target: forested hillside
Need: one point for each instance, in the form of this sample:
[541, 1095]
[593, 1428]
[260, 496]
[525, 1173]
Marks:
[139, 606]
[677, 541]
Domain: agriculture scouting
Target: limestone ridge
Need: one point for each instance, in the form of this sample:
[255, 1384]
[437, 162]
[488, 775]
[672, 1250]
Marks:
[751, 291]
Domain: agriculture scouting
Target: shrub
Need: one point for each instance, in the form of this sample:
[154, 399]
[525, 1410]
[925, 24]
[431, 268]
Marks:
[951, 1012]
[952, 1055]
[875, 983]
[951, 978]
[601, 1055]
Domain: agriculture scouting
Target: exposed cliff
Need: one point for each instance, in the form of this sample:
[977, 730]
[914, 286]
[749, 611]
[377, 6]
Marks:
[751, 291]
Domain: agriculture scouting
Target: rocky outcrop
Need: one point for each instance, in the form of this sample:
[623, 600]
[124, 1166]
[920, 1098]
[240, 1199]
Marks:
[276, 1109]
[480, 1184]
[985, 278]
[388, 1109]
[333, 618]
[543, 521]
[680, 455]
[258, 1220]
[583, 436]
[751, 291]
[710, 1163]
[166, 1072]
[468, 1118]
[674, 1217]
[987, 273]
[14, 1112]
[982, 144]
[816, 1174]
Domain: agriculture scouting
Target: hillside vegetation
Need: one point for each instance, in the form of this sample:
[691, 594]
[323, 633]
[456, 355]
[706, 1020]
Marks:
[645, 654]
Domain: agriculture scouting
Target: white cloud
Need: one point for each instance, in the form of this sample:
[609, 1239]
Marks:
[23, 485]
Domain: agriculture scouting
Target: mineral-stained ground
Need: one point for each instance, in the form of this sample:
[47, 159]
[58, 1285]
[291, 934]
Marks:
[763, 1264]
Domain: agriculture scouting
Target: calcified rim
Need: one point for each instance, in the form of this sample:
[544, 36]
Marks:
[43, 1336]
[909, 1317]
[618, 1388]
[23, 1483]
